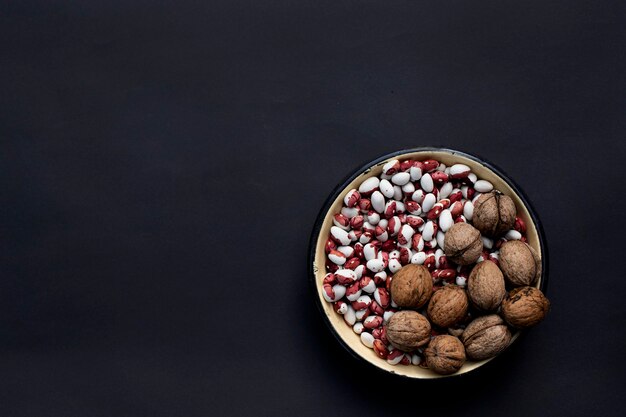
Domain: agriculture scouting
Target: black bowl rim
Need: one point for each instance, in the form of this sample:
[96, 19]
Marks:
[365, 168]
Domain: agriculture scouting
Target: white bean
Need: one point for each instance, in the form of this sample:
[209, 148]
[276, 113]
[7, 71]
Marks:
[350, 316]
[375, 265]
[341, 235]
[441, 239]
[349, 212]
[393, 164]
[429, 231]
[370, 251]
[487, 242]
[386, 188]
[367, 339]
[394, 265]
[401, 178]
[445, 220]
[408, 188]
[369, 185]
[428, 203]
[459, 170]
[358, 328]
[418, 258]
[337, 258]
[339, 291]
[373, 218]
[427, 183]
[513, 235]
[418, 196]
[348, 251]
[397, 193]
[468, 210]
[378, 201]
[445, 190]
[416, 173]
[483, 186]
[387, 315]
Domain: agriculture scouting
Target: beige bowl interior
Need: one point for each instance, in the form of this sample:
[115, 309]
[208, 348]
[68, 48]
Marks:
[343, 330]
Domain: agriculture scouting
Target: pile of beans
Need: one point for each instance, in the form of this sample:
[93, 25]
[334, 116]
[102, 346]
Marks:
[398, 218]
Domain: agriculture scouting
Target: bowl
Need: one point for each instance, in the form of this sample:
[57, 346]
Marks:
[317, 256]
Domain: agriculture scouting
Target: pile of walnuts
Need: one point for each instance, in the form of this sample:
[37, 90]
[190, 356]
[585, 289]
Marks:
[450, 324]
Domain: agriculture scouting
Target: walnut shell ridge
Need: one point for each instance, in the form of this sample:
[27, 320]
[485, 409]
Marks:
[407, 330]
[520, 263]
[494, 213]
[448, 306]
[411, 286]
[463, 244]
[524, 307]
[445, 354]
[485, 337]
[485, 286]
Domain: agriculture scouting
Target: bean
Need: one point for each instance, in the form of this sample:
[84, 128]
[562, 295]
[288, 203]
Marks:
[369, 185]
[401, 178]
[367, 339]
[483, 186]
[427, 183]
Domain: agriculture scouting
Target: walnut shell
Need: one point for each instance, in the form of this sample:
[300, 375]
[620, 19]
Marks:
[494, 213]
[485, 337]
[445, 354]
[412, 286]
[448, 306]
[407, 330]
[520, 263]
[485, 286]
[524, 307]
[463, 244]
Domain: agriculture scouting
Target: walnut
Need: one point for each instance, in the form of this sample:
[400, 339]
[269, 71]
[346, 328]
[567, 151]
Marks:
[445, 354]
[485, 337]
[485, 286]
[462, 244]
[412, 286]
[407, 330]
[448, 306]
[494, 213]
[520, 263]
[524, 307]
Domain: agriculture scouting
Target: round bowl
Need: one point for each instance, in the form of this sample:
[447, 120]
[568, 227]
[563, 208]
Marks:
[317, 256]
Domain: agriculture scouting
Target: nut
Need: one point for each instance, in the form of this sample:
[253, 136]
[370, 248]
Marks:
[485, 337]
[485, 286]
[520, 263]
[445, 354]
[525, 307]
[494, 213]
[411, 286]
[462, 244]
[448, 306]
[407, 330]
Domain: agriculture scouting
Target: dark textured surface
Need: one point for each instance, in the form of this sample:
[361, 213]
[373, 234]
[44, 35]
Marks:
[162, 164]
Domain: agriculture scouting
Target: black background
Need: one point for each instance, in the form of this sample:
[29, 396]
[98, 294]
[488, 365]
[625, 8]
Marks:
[163, 163]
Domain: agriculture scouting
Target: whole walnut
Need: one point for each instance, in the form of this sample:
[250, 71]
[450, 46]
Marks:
[524, 307]
[445, 354]
[448, 306]
[407, 330]
[463, 244]
[485, 286]
[485, 337]
[520, 263]
[494, 213]
[411, 286]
